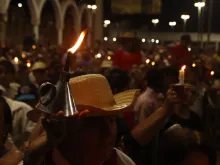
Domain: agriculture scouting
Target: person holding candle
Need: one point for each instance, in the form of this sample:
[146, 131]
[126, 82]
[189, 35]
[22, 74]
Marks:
[92, 132]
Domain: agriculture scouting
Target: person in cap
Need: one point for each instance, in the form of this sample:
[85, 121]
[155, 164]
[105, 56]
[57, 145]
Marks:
[39, 70]
[92, 131]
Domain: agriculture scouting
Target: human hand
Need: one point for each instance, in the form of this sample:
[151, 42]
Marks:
[56, 126]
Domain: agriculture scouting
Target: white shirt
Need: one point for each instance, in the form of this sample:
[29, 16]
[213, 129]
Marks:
[122, 159]
[21, 126]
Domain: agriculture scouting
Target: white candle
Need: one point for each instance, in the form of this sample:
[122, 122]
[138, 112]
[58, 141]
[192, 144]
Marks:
[182, 75]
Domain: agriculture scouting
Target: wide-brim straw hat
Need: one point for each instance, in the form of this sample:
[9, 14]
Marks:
[92, 92]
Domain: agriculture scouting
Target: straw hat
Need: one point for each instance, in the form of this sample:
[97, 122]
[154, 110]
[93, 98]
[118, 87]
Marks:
[39, 65]
[92, 92]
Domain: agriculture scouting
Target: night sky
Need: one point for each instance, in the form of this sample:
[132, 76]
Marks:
[171, 11]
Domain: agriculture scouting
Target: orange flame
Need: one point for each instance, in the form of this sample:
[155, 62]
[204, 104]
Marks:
[183, 67]
[78, 43]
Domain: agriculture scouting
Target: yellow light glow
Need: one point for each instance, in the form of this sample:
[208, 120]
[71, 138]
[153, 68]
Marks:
[78, 43]
[16, 60]
[34, 47]
[169, 57]
[193, 65]
[28, 64]
[109, 58]
[183, 67]
[23, 55]
[212, 73]
[147, 61]
[153, 63]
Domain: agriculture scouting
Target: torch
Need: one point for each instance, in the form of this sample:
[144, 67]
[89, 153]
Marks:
[55, 98]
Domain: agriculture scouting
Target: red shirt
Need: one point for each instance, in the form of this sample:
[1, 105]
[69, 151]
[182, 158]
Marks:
[125, 60]
[180, 56]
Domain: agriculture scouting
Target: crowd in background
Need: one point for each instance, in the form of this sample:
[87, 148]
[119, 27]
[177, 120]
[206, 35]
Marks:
[189, 135]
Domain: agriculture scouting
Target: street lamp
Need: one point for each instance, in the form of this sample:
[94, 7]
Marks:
[92, 8]
[20, 5]
[172, 24]
[185, 17]
[155, 22]
[199, 5]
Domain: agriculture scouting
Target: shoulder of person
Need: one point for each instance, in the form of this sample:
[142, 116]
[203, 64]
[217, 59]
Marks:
[17, 105]
[123, 159]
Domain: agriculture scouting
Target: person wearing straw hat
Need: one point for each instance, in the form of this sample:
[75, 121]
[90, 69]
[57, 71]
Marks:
[90, 133]
[39, 69]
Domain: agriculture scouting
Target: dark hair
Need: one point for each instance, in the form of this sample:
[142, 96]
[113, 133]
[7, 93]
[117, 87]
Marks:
[185, 37]
[118, 80]
[8, 66]
[155, 78]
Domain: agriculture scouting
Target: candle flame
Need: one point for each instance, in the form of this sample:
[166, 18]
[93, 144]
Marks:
[183, 67]
[78, 43]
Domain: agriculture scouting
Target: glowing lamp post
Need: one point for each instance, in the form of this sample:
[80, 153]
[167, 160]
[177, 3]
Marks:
[185, 18]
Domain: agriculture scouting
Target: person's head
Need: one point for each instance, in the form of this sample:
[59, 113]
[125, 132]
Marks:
[92, 142]
[170, 77]
[155, 79]
[200, 155]
[7, 73]
[39, 70]
[185, 40]
[118, 80]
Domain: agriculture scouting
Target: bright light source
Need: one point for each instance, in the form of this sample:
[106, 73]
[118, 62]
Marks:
[155, 21]
[105, 38]
[172, 23]
[193, 65]
[169, 57]
[143, 40]
[212, 73]
[189, 49]
[147, 61]
[152, 40]
[109, 58]
[94, 7]
[23, 55]
[89, 6]
[28, 64]
[185, 16]
[153, 63]
[33, 46]
[98, 55]
[199, 4]
[114, 39]
[20, 5]
[16, 60]
[107, 22]
[157, 41]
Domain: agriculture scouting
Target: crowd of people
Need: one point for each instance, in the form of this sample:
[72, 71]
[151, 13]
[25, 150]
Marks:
[128, 109]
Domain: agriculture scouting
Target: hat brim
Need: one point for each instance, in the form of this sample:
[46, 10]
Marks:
[123, 100]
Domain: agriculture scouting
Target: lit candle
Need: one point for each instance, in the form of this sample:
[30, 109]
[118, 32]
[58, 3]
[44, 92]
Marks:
[182, 75]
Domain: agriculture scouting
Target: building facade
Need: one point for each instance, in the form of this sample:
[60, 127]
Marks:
[94, 20]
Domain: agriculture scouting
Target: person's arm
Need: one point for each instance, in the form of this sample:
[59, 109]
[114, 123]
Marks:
[13, 157]
[149, 127]
[146, 129]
